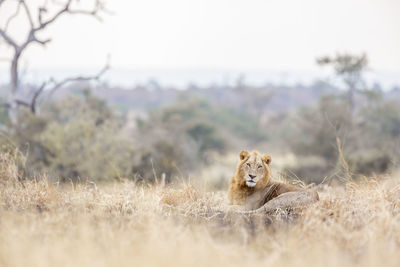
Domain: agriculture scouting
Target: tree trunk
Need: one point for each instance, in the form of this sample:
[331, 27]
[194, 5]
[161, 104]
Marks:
[14, 84]
[350, 99]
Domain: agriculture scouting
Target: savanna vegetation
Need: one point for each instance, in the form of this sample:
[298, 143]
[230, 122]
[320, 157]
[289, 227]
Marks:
[95, 175]
[127, 223]
[83, 134]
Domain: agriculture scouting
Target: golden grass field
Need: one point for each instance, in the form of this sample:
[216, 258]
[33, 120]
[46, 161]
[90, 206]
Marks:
[126, 224]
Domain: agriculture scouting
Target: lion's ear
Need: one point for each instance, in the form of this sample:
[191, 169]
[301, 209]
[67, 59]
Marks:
[243, 154]
[267, 159]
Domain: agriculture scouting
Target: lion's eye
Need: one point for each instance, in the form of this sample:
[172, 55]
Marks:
[248, 164]
[259, 166]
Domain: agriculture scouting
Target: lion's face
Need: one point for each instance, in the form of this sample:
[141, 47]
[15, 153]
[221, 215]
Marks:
[254, 167]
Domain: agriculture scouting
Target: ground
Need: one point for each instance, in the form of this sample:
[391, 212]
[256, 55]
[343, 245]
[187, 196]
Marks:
[127, 224]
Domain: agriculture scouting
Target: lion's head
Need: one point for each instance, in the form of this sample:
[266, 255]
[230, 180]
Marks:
[254, 168]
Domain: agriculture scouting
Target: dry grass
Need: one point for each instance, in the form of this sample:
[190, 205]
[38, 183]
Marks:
[125, 224]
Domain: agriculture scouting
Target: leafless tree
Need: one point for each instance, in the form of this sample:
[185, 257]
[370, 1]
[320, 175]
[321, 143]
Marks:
[38, 19]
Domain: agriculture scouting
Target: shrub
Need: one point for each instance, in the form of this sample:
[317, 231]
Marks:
[78, 137]
[370, 138]
[176, 139]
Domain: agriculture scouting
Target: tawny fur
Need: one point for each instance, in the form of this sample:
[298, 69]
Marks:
[262, 192]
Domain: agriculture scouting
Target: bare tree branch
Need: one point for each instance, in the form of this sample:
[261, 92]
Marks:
[22, 103]
[13, 16]
[79, 79]
[99, 6]
[42, 42]
[35, 97]
[41, 10]
[8, 39]
[32, 105]
[28, 13]
[54, 17]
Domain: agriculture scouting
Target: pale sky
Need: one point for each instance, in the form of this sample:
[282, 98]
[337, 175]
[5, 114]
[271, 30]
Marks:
[223, 34]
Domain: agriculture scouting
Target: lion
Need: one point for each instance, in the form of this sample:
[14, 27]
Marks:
[251, 186]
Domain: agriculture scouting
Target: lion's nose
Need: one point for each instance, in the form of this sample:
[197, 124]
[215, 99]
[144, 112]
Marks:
[252, 176]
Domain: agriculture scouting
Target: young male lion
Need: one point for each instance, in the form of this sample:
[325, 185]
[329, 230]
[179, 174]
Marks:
[251, 185]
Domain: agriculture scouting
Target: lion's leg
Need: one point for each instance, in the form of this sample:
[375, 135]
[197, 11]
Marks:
[274, 190]
[289, 200]
[295, 199]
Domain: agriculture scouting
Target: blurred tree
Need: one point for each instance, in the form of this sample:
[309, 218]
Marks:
[370, 140]
[178, 137]
[206, 138]
[350, 69]
[38, 18]
[315, 128]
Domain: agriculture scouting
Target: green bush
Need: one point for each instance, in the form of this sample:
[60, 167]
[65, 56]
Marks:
[177, 139]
